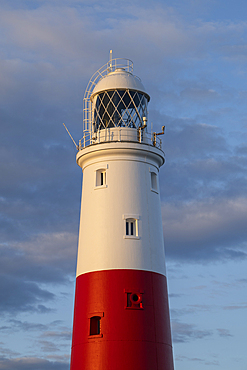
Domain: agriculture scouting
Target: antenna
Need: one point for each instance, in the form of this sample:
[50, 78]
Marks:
[110, 60]
[77, 147]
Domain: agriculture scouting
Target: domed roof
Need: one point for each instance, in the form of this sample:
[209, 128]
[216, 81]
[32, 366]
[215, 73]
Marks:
[119, 79]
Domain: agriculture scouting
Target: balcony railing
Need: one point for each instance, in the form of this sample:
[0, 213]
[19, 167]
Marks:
[117, 135]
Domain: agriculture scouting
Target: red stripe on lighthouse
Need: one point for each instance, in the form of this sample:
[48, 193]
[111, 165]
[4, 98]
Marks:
[121, 321]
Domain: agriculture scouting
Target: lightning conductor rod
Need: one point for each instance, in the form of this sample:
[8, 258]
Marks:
[77, 147]
[110, 60]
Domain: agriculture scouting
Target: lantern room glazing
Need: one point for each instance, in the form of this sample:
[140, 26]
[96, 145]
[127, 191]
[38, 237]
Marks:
[119, 108]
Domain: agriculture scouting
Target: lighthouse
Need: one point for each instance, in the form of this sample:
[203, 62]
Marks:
[121, 313]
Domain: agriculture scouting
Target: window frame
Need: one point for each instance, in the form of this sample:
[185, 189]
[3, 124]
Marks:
[154, 175]
[136, 227]
[99, 172]
[92, 316]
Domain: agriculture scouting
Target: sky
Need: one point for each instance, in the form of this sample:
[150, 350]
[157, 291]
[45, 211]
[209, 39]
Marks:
[191, 56]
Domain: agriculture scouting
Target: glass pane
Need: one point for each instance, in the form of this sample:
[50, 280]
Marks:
[127, 228]
[95, 325]
[132, 228]
[117, 108]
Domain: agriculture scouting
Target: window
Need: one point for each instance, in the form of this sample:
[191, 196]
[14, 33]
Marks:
[119, 108]
[131, 226]
[95, 325]
[101, 177]
[154, 184]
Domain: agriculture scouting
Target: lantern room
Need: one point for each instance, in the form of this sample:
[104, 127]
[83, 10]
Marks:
[119, 100]
[115, 106]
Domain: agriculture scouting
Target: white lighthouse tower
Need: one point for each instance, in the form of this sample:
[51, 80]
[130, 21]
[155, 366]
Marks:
[121, 315]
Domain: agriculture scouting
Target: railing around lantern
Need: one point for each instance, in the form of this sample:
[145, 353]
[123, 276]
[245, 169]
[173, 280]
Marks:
[119, 134]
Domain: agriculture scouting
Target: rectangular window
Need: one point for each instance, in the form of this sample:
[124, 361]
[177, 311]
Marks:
[101, 177]
[95, 320]
[131, 227]
[95, 325]
[154, 185]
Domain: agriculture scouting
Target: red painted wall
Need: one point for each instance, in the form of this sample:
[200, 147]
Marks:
[132, 336]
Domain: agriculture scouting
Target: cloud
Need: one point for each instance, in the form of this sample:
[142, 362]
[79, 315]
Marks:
[182, 332]
[48, 346]
[208, 230]
[224, 333]
[173, 295]
[235, 307]
[53, 329]
[26, 326]
[199, 164]
[30, 363]
[66, 335]
[45, 257]
[190, 309]
[188, 140]
[17, 295]
[204, 203]
[7, 352]
[190, 67]
[197, 359]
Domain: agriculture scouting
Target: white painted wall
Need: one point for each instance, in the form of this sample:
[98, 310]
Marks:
[102, 242]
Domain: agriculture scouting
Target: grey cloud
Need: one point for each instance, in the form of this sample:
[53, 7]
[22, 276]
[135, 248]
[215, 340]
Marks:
[204, 231]
[177, 313]
[30, 363]
[17, 295]
[242, 150]
[197, 359]
[47, 258]
[27, 326]
[235, 307]
[224, 333]
[49, 346]
[182, 332]
[58, 334]
[8, 352]
[242, 281]
[190, 140]
[190, 309]
[59, 331]
[182, 358]
[200, 164]
[173, 295]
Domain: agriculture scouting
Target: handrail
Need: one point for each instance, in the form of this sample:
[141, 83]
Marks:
[119, 135]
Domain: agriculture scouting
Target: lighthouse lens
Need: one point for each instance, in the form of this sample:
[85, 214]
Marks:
[119, 108]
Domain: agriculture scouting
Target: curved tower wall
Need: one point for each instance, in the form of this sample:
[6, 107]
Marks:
[121, 315]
